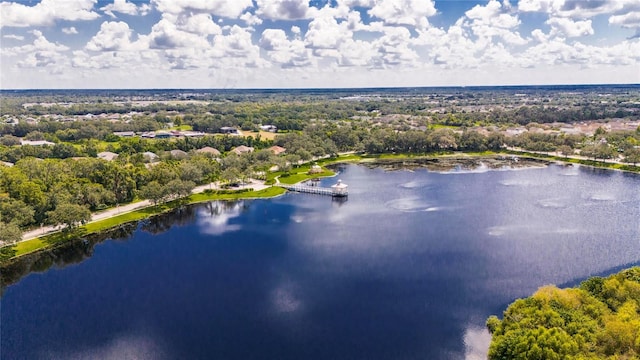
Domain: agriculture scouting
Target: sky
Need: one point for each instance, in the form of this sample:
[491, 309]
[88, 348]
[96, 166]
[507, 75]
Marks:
[228, 44]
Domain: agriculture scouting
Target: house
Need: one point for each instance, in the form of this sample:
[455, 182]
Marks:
[163, 135]
[209, 151]
[192, 133]
[242, 149]
[178, 154]
[148, 135]
[150, 157]
[124, 133]
[107, 155]
[269, 128]
[229, 130]
[36, 142]
[277, 150]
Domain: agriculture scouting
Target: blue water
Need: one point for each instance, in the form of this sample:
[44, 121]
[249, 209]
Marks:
[409, 267]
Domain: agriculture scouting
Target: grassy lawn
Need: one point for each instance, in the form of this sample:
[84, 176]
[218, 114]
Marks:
[28, 246]
[265, 193]
[442, 126]
[303, 176]
[124, 218]
[182, 128]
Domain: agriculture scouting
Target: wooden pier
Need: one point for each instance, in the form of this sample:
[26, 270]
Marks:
[338, 190]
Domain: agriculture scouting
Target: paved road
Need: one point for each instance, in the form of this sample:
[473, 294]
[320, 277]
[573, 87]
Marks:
[256, 185]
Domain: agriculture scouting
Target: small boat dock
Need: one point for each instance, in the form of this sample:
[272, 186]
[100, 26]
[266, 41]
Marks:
[337, 190]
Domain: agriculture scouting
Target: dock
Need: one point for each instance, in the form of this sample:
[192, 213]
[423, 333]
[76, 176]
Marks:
[337, 190]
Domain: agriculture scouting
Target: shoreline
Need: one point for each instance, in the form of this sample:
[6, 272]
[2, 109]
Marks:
[438, 162]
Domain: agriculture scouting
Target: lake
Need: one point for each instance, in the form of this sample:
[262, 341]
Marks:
[409, 267]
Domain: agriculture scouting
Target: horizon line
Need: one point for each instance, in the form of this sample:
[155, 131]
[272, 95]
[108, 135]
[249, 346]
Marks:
[333, 88]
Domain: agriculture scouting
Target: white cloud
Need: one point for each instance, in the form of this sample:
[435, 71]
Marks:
[39, 54]
[492, 20]
[166, 35]
[237, 44]
[327, 45]
[287, 53]
[283, 9]
[112, 36]
[539, 5]
[582, 9]
[201, 24]
[70, 30]
[224, 8]
[579, 9]
[404, 12]
[133, 61]
[539, 36]
[40, 43]
[13, 36]
[569, 28]
[325, 33]
[46, 12]
[125, 7]
[628, 20]
[393, 49]
[250, 19]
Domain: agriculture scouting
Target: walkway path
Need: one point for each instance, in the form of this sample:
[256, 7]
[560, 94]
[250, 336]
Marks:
[254, 184]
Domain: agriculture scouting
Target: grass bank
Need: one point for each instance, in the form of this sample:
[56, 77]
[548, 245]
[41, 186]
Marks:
[592, 163]
[374, 157]
[49, 241]
[298, 174]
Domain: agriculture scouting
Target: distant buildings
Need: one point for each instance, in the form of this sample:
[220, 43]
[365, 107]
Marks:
[209, 151]
[36, 142]
[163, 135]
[178, 154]
[277, 150]
[269, 128]
[242, 149]
[107, 155]
[170, 134]
[150, 157]
[229, 130]
[124, 133]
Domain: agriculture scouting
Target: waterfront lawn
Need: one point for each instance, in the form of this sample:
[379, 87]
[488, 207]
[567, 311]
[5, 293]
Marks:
[301, 173]
[51, 240]
[264, 193]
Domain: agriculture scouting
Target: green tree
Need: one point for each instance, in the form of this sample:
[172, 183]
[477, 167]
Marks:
[16, 211]
[9, 233]
[70, 215]
[565, 150]
[178, 189]
[153, 191]
[632, 155]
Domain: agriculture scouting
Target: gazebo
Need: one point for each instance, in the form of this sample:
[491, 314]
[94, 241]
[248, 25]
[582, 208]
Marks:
[339, 189]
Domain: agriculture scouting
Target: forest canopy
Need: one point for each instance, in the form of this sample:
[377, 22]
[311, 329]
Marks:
[600, 319]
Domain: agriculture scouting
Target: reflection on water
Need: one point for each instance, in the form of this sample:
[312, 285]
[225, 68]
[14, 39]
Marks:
[410, 266]
[216, 216]
[126, 346]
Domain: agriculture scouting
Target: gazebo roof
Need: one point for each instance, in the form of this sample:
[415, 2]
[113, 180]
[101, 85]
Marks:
[339, 185]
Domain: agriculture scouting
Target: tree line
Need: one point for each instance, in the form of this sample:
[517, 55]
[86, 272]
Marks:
[598, 320]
